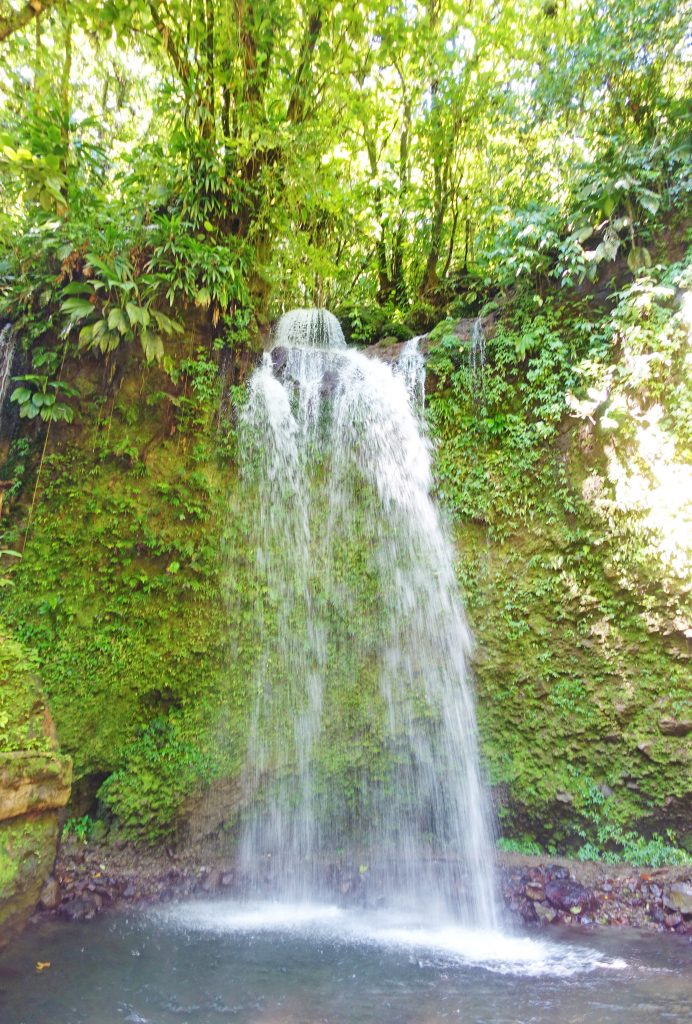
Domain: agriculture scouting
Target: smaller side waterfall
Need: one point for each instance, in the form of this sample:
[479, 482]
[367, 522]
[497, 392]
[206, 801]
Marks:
[7, 348]
[411, 366]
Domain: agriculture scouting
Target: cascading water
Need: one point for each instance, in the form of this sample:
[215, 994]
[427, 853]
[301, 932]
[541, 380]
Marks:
[363, 744]
[411, 366]
[7, 346]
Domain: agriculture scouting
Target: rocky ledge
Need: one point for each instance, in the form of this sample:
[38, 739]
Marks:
[33, 786]
[587, 893]
[91, 878]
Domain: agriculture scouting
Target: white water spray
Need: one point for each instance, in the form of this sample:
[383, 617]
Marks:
[363, 746]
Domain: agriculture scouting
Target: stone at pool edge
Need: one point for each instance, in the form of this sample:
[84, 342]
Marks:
[50, 895]
[678, 897]
[33, 786]
[564, 894]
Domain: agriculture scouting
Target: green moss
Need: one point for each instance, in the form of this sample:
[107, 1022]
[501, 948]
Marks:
[27, 850]
[120, 595]
[576, 611]
[138, 590]
[22, 725]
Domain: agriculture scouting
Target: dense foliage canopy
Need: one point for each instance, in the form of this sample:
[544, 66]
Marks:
[249, 155]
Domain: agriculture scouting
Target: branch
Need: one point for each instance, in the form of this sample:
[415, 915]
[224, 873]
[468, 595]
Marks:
[18, 19]
[296, 104]
[180, 65]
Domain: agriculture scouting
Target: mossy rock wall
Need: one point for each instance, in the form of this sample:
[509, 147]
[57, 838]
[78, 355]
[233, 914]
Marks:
[138, 588]
[565, 463]
[141, 626]
[34, 784]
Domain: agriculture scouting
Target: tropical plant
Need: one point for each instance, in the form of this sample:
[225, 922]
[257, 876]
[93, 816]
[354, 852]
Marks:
[40, 396]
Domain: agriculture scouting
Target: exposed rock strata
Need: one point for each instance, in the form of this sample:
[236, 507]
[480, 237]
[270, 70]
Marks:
[33, 786]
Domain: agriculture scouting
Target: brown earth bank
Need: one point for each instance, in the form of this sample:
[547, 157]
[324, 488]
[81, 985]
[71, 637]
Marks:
[90, 879]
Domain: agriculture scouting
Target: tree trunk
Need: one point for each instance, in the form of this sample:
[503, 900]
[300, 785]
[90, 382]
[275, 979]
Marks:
[18, 19]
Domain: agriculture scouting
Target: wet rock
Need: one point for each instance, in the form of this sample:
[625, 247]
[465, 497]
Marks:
[527, 911]
[534, 891]
[567, 895]
[329, 383]
[279, 357]
[545, 913]
[212, 881]
[83, 908]
[672, 920]
[679, 897]
[557, 871]
[50, 896]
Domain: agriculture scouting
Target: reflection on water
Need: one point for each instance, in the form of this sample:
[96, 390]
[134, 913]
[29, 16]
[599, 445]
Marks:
[209, 963]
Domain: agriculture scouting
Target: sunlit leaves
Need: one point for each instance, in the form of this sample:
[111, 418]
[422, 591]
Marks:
[39, 178]
[111, 310]
[38, 396]
[377, 152]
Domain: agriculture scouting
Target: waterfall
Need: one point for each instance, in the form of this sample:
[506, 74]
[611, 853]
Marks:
[363, 746]
[411, 366]
[7, 346]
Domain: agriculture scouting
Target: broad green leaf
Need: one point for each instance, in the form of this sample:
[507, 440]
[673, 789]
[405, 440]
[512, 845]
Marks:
[20, 395]
[152, 345]
[117, 320]
[203, 298]
[77, 308]
[86, 336]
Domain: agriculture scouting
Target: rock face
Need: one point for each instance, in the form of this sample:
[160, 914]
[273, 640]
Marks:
[32, 788]
[34, 784]
[31, 782]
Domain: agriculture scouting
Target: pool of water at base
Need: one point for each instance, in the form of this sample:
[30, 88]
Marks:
[210, 962]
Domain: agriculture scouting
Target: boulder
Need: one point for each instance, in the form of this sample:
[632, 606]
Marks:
[564, 894]
[83, 908]
[50, 896]
[679, 897]
[674, 726]
[545, 913]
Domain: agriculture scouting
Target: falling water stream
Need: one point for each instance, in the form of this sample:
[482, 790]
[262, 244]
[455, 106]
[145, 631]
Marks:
[359, 573]
[7, 347]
